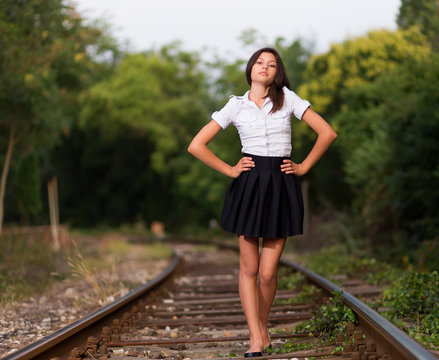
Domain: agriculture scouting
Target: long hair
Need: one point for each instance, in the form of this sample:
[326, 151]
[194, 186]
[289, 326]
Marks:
[275, 91]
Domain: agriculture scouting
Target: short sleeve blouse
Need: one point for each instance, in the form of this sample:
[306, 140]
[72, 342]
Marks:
[262, 133]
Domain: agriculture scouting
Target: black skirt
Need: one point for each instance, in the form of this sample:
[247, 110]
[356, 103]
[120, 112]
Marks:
[264, 202]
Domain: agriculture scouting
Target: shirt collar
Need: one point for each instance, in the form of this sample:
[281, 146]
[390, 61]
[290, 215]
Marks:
[267, 103]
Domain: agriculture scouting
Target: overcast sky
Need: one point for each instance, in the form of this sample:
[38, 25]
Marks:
[217, 24]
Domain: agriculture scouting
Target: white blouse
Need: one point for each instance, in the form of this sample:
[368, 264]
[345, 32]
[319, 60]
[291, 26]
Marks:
[262, 133]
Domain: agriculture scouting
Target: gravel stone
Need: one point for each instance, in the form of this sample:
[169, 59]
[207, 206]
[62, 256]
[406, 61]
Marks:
[26, 322]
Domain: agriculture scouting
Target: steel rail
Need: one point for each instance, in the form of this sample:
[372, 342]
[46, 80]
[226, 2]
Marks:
[40, 346]
[403, 343]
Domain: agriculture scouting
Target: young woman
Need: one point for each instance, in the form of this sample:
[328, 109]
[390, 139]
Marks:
[264, 199]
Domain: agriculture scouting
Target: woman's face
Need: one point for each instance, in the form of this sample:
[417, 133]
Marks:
[264, 69]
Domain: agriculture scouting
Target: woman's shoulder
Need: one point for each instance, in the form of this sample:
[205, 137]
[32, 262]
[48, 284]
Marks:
[294, 103]
[232, 105]
[290, 95]
[236, 97]
[288, 91]
[234, 101]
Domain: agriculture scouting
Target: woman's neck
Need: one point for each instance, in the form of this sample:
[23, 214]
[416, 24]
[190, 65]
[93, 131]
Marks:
[258, 93]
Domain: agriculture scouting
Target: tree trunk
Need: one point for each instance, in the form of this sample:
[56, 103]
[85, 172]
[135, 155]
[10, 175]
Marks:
[52, 190]
[5, 173]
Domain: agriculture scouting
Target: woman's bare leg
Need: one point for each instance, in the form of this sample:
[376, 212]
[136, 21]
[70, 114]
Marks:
[248, 288]
[270, 255]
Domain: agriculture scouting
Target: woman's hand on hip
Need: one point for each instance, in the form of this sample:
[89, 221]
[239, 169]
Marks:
[290, 167]
[245, 164]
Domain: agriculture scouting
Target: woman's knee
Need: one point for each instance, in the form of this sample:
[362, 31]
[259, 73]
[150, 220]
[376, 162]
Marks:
[249, 256]
[267, 277]
[248, 270]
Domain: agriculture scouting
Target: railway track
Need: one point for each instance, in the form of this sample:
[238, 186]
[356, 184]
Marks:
[192, 311]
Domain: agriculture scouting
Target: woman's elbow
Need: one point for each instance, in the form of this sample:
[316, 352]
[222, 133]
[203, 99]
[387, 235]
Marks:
[331, 135]
[328, 136]
[192, 148]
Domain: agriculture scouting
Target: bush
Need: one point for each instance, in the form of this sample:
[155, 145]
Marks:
[331, 318]
[414, 305]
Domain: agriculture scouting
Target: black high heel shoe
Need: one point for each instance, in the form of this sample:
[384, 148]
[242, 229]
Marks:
[253, 354]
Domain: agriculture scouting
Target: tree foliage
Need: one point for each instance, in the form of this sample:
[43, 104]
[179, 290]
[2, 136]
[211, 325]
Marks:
[390, 152]
[27, 188]
[295, 57]
[44, 63]
[29, 108]
[329, 80]
[356, 62]
[120, 123]
[423, 14]
[158, 95]
[157, 98]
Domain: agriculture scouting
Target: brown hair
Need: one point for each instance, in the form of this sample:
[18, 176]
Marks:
[275, 92]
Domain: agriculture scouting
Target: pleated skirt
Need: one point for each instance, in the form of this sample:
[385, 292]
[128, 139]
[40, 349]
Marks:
[264, 202]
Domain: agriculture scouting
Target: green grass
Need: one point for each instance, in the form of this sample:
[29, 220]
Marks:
[411, 295]
[296, 281]
[156, 251]
[413, 302]
[330, 318]
[146, 251]
[337, 260]
[28, 265]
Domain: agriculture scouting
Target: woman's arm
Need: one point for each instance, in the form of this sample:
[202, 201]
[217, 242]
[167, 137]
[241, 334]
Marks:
[326, 135]
[198, 148]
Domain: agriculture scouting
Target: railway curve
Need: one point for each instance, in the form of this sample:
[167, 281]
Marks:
[192, 311]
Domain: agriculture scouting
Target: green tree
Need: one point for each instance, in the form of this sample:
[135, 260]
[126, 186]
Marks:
[331, 78]
[46, 57]
[356, 62]
[157, 94]
[160, 98]
[295, 57]
[29, 32]
[27, 188]
[423, 14]
[391, 163]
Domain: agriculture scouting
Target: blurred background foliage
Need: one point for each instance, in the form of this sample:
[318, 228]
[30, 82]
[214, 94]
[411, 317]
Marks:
[113, 126]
